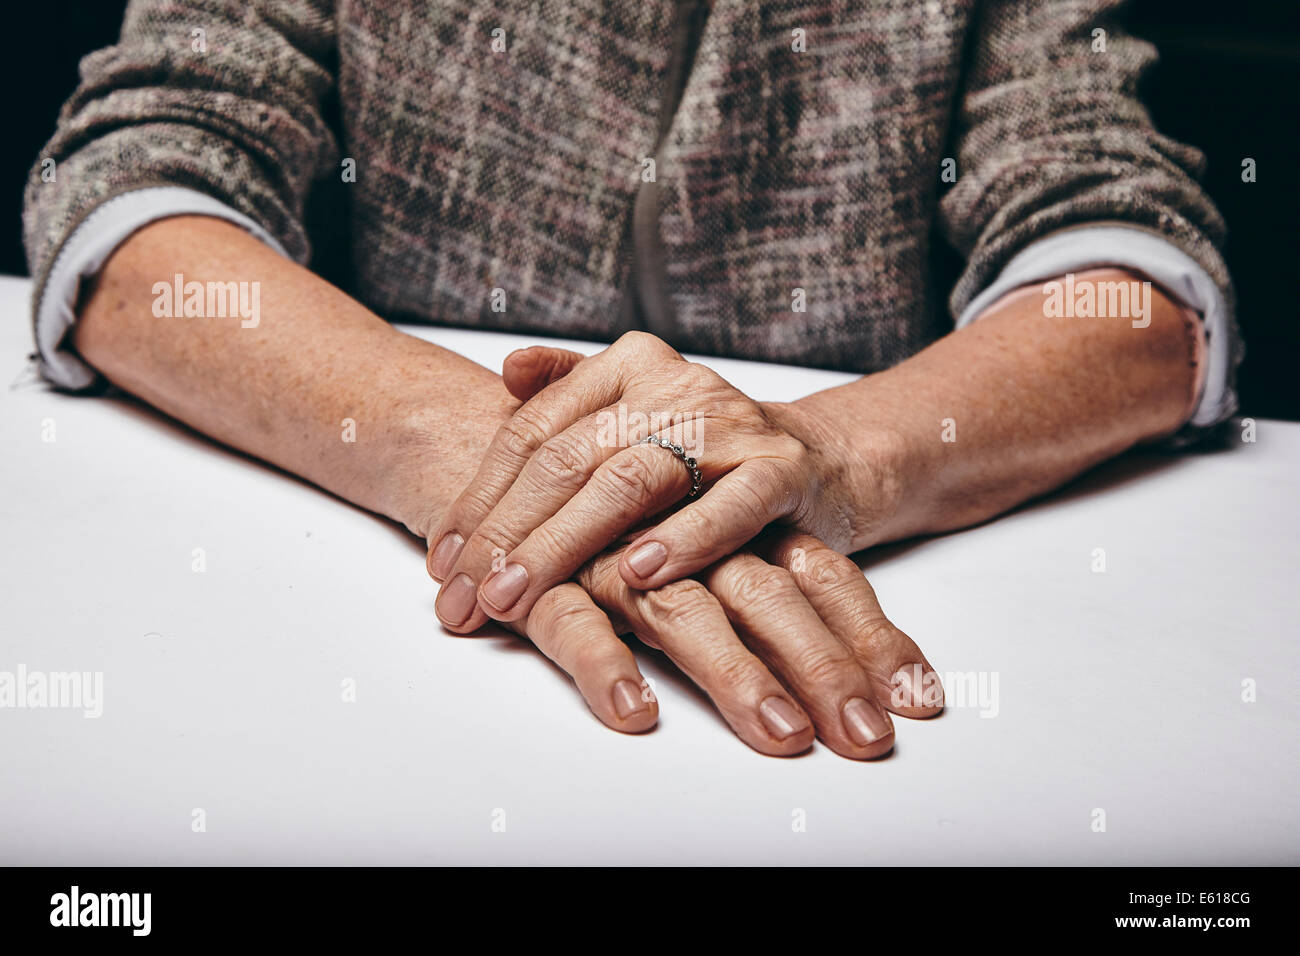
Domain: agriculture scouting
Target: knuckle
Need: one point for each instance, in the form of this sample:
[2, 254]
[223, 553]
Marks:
[734, 671]
[556, 610]
[701, 377]
[521, 435]
[612, 599]
[787, 477]
[786, 445]
[795, 452]
[643, 342]
[630, 476]
[634, 339]
[561, 461]
[877, 636]
[821, 665]
[475, 503]
[825, 572]
[694, 524]
[761, 586]
[572, 632]
[600, 578]
[760, 491]
[677, 601]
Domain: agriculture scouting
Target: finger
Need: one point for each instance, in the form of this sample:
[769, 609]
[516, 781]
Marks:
[591, 385]
[554, 474]
[568, 628]
[513, 445]
[835, 586]
[628, 487]
[686, 623]
[526, 372]
[739, 505]
[633, 482]
[576, 518]
[775, 620]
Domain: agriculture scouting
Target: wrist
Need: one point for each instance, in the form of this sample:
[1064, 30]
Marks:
[859, 467]
[436, 444]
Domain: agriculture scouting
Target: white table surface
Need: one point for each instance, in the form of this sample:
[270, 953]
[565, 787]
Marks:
[222, 690]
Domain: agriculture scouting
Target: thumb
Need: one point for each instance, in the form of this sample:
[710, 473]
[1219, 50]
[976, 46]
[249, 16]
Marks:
[527, 371]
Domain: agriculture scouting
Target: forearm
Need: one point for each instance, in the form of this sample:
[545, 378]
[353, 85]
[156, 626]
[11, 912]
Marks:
[1003, 410]
[282, 390]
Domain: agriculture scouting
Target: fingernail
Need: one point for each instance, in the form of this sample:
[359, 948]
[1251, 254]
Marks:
[456, 600]
[781, 719]
[864, 721]
[446, 553]
[627, 699]
[504, 588]
[915, 686]
[647, 559]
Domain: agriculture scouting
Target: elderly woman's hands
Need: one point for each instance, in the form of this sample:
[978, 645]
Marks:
[785, 634]
[567, 475]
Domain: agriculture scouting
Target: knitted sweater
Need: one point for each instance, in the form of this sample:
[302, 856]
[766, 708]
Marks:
[761, 179]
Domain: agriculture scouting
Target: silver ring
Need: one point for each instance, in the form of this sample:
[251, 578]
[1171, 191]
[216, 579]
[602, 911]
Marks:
[685, 459]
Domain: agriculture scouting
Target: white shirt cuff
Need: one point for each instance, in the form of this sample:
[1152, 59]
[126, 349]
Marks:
[84, 252]
[1177, 273]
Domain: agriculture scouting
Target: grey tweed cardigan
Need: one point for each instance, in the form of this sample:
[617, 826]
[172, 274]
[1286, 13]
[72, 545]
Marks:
[727, 164]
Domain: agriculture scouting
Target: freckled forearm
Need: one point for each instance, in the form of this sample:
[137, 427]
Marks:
[319, 386]
[1009, 408]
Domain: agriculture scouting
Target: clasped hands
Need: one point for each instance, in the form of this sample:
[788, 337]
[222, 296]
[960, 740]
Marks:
[574, 531]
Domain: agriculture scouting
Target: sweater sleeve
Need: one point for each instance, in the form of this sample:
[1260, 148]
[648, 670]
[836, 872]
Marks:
[218, 96]
[1051, 135]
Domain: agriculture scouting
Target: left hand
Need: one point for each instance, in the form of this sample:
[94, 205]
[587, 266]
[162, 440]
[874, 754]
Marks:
[566, 476]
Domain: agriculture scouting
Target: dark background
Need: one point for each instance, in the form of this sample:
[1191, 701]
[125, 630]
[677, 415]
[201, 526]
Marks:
[1228, 82]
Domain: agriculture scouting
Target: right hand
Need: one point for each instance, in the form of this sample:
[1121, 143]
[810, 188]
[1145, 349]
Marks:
[787, 639]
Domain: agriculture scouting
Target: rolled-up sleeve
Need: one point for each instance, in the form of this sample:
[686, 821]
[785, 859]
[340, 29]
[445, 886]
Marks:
[1051, 135]
[221, 97]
